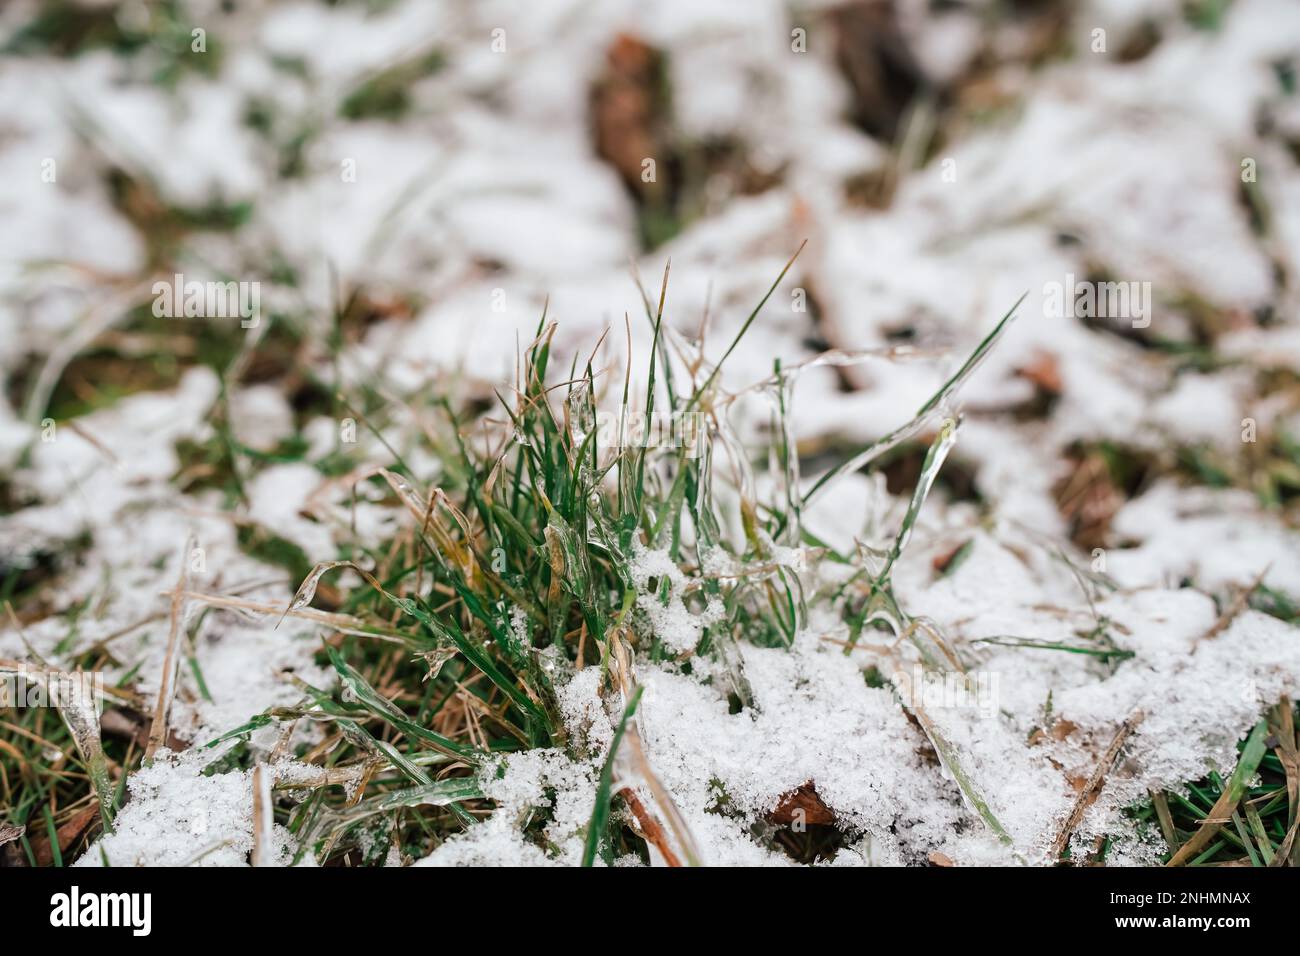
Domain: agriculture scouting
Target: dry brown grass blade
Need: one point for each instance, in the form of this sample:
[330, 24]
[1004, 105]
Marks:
[9, 666]
[1288, 851]
[621, 670]
[1095, 782]
[307, 590]
[1283, 727]
[167, 685]
[676, 822]
[343, 623]
[650, 829]
[1235, 608]
[423, 510]
[1161, 803]
[424, 514]
[555, 551]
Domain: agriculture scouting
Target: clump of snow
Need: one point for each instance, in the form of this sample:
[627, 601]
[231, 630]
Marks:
[726, 770]
[585, 717]
[178, 816]
[672, 621]
[1213, 538]
[519, 784]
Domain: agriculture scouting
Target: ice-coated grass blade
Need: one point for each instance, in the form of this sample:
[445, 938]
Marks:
[1098, 652]
[388, 712]
[934, 459]
[442, 793]
[913, 427]
[951, 759]
[935, 653]
[749, 320]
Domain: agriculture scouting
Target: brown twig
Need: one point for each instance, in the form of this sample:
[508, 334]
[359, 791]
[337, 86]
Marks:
[1094, 785]
[651, 830]
[1232, 610]
[167, 685]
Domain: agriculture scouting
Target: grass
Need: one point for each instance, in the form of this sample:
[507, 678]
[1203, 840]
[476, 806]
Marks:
[536, 512]
[1259, 802]
[56, 772]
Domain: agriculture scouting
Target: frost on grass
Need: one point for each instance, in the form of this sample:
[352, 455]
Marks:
[1077, 567]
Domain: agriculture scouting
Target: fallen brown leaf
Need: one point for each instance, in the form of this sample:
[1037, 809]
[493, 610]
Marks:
[804, 799]
[73, 830]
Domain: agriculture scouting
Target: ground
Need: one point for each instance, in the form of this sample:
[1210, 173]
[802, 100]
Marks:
[966, 532]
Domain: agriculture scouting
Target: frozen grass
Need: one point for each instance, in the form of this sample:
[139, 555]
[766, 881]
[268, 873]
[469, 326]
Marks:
[1259, 800]
[524, 567]
[542, 553]
[494, 657]
[523, 561]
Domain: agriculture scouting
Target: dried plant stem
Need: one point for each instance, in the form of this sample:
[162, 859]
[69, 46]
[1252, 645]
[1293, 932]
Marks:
[1095, 782]
[167, 685]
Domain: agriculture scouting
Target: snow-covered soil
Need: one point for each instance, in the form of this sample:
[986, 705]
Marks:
[1036, 164]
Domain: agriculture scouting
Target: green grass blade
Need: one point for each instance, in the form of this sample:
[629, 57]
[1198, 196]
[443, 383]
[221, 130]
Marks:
[596, 835]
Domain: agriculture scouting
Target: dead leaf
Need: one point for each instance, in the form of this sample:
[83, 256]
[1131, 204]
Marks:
[1062, 729]
[1089, 500]
[1044, 371]
[629, 114]
[73, 830]
[803, 799]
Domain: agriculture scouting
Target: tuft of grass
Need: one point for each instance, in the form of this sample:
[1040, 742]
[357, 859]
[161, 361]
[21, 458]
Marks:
[523, 558]
[519, 563]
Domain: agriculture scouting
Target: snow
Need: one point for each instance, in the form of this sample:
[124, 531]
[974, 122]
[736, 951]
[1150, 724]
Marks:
[518, 784]
[670, 619]
[177, 816]
[488, 201]
[862, 754]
